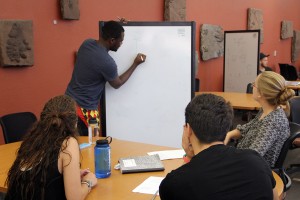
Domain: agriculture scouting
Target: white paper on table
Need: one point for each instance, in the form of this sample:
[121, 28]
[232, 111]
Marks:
[149, 186]
[169, 154]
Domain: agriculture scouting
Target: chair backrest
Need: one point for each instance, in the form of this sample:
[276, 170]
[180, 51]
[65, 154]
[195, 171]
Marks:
[288, 144]
[295, 109]
[289, 72]
[16, 125]
[249, 88]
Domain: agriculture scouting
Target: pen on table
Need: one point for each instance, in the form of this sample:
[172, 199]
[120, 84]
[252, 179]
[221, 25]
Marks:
[154, 196]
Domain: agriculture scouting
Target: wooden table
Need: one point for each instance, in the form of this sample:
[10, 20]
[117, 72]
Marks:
[117, 186]
[241, 101]
[293, 85]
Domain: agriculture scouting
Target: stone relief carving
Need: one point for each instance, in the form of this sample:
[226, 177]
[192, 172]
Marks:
[16, 43]
[295, 46]
[175, 10]
[286, 29]
[255, 21]
[212, 41]
[69, 9]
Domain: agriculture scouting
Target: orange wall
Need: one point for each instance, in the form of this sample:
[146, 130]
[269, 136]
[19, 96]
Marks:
[27, 89]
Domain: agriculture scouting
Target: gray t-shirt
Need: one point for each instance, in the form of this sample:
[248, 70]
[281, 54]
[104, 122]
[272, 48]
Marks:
[93, 68]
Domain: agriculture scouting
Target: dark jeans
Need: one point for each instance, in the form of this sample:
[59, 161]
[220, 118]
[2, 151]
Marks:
[82, 128]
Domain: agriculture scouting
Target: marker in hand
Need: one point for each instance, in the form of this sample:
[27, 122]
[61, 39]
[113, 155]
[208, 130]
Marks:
[142, 58]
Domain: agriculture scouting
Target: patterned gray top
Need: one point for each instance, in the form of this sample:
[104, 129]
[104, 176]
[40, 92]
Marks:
[266, 136]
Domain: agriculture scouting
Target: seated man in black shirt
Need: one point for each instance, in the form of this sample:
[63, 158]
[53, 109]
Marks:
[216, 171]
[263, 63]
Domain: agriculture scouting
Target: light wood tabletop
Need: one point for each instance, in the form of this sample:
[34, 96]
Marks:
[295, 85]
[117, 186]
[241, 101]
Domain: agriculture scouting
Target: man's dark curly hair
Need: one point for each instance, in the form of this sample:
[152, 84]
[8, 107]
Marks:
[210, 117]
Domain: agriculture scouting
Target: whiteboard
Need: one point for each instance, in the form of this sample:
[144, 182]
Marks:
[241, 58]
[150, 106]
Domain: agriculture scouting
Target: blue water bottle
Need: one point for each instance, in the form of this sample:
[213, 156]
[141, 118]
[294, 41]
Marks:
[102, 158]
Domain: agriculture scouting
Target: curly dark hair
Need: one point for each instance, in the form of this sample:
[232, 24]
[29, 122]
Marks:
[42, 145]
[210, 117]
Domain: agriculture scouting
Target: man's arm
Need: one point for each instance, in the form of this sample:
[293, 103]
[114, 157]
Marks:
[120, 80]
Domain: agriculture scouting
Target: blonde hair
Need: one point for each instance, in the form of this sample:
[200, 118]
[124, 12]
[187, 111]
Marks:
[272, 86]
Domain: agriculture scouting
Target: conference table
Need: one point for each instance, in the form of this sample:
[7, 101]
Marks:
[117, 186]
[295, 85]
[242, 101]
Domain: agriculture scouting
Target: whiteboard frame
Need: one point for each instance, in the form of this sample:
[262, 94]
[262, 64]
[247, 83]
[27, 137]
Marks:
[103, 100]
[244, 78]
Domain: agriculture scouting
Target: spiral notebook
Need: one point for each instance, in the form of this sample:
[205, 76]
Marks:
[147, 163]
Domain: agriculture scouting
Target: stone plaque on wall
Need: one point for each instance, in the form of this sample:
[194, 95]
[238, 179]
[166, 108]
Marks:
[286, 29]
[295, 46]
[212, 41]
[255, 21]
[69, 9]
[175, 10]
[16, 43]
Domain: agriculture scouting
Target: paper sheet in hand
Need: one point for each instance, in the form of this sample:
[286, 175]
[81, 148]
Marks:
[169, 154]
[140, 164]
[149, 186]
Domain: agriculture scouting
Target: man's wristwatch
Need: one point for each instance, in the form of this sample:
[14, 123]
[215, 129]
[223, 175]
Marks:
[88, 183]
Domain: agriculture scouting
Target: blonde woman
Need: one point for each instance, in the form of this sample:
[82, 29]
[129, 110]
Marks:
[267, 132]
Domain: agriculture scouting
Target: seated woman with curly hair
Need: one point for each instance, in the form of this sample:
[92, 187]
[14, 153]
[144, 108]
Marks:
[48, 161]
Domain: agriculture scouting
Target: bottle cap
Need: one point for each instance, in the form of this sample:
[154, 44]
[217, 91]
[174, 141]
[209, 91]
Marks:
[92, 121]
[107, 140]
[100, 142]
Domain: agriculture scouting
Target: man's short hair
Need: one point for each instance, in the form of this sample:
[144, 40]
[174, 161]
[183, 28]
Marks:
[210, 117]
[111, 29]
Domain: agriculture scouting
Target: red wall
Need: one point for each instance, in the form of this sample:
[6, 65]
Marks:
[28, 88]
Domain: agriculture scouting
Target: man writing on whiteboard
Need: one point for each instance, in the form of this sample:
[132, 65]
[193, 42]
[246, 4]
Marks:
[93, 68]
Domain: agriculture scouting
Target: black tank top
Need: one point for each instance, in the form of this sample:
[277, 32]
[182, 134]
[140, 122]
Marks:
[54, 185]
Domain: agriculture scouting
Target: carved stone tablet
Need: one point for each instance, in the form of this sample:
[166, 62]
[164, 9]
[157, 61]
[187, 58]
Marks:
[16, 43]
[175, 10]
[286, 29]
[255, 21]
[69, 9]
[295, 46]
[212, 41]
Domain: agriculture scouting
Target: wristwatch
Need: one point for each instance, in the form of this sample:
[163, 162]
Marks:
[89, 183]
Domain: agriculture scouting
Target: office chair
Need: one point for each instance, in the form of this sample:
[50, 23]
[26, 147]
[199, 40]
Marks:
[248, 115]
[16, 125]
[289, 72]
[249, 89]
[295, 109]
[295, 118]
[288, 145]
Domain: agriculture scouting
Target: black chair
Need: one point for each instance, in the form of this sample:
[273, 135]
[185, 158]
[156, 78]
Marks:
[247, 116]
[16, 125]
[289, 72]
[295, 109]
[288, 145]
[249, 89]
[295, 118]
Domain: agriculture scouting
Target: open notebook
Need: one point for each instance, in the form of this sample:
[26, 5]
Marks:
[146, 163]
